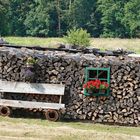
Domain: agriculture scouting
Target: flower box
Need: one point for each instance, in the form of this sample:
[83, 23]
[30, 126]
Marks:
[95, 88]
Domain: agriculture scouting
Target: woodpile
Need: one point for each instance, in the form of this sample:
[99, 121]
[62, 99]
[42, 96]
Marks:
[122, 106]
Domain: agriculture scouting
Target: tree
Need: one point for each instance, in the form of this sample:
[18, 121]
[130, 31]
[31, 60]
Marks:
[37, 20]
[111, 19]
[4, 26]
[57, 11]
[18, 11]
[105, 18]
[132, 17]
[83, 14]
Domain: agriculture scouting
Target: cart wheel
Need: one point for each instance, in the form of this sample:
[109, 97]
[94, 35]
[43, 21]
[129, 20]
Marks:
[52, 115]
[5, 111]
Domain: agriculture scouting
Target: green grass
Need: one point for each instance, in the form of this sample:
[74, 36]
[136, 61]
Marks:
[111, 129]
[34, 41]
[102, 43]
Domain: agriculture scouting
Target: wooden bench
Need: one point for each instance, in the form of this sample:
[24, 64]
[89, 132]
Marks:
[51, 109]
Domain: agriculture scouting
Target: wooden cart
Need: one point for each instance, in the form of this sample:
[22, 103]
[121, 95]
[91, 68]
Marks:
[51, 110]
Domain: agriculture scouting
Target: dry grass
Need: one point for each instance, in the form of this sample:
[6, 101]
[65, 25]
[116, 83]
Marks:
[30, 129]
[111, 43]
[102, 43]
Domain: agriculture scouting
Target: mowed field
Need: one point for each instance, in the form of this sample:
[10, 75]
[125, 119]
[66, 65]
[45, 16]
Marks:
[102, 43]
[37, 129]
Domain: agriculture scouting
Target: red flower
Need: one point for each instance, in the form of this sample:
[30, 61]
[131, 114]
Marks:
[96, 84]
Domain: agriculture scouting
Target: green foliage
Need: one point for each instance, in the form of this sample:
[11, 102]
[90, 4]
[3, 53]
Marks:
[31, 60]
[105, 18]
[4, 25]
[37, 21]
[111, 18]
[132, 17]
[78, 37]
[83, 14]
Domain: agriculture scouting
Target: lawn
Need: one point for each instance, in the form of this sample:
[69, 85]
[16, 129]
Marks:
[102, 43]
[37, 129]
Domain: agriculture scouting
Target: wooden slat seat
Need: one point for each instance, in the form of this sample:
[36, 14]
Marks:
[29, 104]
[31, 88]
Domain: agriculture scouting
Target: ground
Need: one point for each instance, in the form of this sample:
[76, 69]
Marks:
[102, 43]
[37, 129]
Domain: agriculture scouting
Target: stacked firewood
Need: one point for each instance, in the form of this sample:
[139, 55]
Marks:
[121, 106]
[31, 97]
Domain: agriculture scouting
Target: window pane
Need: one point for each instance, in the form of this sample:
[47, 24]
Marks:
[92, 74]
[102, 74]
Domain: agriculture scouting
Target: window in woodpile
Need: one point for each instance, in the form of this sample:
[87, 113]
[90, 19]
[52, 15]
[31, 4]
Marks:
[102, 74]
